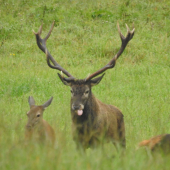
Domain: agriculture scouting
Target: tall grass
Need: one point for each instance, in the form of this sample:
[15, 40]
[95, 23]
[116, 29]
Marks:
[85, 38]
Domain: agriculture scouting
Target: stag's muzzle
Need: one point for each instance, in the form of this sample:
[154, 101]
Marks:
[78, 109]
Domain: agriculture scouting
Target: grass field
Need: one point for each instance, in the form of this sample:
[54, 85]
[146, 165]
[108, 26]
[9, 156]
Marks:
[84, 39]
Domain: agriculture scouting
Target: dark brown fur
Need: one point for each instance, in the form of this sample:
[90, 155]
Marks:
[92, 120]
[99, 122]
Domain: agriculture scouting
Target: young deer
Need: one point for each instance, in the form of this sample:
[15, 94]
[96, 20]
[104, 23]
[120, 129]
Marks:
[37, 128]
[158, 143]
[92, 121]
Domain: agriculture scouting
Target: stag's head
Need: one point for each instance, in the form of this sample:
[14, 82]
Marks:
[35, 114]
[80, 89]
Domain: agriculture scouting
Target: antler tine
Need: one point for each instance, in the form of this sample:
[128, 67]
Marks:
[42, 45]
[128, 30]
[112, 63]
[49, 33]
[40, 29]
[120, 33]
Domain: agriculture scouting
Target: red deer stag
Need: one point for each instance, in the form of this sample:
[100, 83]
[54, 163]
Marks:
[92, 120]
[37, 128]
[160, 143]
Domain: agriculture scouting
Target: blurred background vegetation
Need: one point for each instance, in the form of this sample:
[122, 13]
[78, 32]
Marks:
[84, 39]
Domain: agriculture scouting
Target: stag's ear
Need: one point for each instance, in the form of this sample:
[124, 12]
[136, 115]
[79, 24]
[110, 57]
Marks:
[96, 81]
[46, 104]
[31, 101]
[66, 81]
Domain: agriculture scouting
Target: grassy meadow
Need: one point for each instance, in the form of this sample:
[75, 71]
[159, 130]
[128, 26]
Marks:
[84, 39]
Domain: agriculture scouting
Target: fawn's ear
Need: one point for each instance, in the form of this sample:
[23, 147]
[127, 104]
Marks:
[96, 81]
[31, 101]
[47, 103]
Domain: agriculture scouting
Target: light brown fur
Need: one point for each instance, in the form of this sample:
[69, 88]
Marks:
[160, 143]
[37, 129]
[150, 143]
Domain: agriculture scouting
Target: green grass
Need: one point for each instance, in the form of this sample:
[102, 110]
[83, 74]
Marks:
[85, 36]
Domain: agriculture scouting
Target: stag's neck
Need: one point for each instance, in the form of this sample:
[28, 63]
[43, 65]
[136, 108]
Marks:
[91, 107]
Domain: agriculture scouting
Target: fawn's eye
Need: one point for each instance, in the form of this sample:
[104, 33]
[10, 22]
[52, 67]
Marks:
[38, 115]
[86, 92]
[71, 91]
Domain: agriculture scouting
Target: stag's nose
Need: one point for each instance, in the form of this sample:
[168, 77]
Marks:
[76, 107]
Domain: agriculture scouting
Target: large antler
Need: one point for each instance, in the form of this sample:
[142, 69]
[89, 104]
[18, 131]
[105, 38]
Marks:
[42, 45]
[112, 63]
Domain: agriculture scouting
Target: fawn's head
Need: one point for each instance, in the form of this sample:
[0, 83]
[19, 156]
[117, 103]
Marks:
[35, 114]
